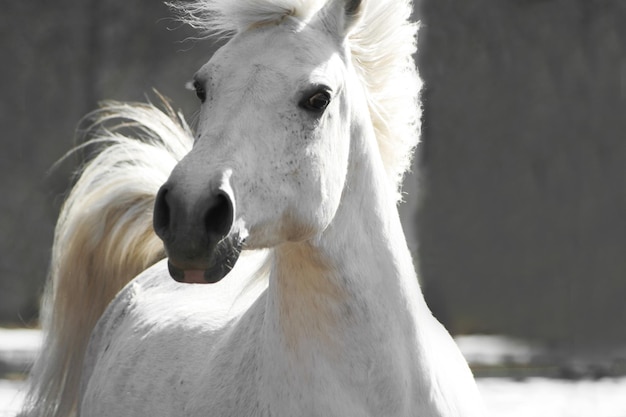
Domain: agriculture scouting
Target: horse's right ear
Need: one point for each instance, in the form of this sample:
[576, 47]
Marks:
[340, 16]
[353, 13]
[352, 6]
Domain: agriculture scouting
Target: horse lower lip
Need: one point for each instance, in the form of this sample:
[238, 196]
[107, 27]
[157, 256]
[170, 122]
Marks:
[188, 276]
[194, 277]
[209, 270]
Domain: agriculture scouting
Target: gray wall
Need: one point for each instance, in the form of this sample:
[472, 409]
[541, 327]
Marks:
[522, 225]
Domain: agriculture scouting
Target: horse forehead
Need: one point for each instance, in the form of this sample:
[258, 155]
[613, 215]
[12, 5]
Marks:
[279, 52]
[261, 77]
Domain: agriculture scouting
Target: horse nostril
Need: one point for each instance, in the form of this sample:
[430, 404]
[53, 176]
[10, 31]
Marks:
[161, 216]
[219, 216]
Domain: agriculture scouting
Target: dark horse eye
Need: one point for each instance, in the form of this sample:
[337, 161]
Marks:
[316, 102]
[200, 91]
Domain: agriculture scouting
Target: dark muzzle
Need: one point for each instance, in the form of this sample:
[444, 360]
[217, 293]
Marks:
[196, 225]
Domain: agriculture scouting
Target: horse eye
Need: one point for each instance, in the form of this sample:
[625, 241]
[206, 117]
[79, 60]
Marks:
[200, 91]
[317, 102]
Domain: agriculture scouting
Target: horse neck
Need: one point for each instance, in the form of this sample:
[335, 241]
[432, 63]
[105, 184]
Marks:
[345, 306]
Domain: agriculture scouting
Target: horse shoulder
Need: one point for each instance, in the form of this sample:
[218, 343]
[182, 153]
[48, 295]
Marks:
[159, 341]
[105, 330]
[115, 337]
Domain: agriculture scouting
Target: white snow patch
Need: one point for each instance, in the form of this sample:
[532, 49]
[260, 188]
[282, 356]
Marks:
[542, 397]
[19, 347]
[496, 350]
[11, 397]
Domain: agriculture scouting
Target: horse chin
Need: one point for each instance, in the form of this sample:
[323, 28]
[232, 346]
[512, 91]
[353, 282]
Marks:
[218, 265]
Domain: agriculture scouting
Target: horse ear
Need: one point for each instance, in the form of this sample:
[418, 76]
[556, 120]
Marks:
[340, 16]
[353, 12]
[352, 7]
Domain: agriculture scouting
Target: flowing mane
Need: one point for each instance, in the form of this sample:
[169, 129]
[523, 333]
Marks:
[382, 47]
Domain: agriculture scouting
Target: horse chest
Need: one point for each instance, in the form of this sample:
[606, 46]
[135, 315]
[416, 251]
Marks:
[142, 372]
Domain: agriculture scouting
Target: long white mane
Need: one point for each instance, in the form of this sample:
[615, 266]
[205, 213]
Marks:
[382, 47]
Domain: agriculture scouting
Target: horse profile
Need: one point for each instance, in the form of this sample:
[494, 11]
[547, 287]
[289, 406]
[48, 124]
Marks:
[285, 202]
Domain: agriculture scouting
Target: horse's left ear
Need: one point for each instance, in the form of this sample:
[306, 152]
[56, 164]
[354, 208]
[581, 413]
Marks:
[340, 16]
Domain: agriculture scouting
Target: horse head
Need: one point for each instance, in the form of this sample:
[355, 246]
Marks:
[271, 152]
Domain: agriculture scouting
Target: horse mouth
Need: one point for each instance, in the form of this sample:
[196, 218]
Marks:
[206, 269]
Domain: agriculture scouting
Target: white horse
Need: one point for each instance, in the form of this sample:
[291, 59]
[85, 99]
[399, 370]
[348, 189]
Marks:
[308, 118]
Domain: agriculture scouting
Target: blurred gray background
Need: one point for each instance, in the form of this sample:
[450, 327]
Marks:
[521, 218]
